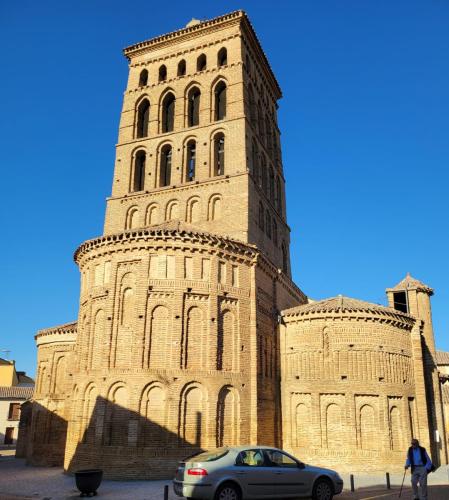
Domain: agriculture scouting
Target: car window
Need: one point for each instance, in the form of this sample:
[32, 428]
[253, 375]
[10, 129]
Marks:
[209, 456]
[252, 458]
[276, 458]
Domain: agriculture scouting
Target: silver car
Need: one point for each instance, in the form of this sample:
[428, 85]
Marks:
[238, 473]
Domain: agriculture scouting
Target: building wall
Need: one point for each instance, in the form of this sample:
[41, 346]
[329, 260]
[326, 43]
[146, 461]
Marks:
[348, 390]
[5, 422]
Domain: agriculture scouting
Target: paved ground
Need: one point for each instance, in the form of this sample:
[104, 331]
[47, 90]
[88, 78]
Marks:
[21, 482]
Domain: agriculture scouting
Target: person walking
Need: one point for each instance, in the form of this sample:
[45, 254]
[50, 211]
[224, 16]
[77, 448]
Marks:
[420, 463]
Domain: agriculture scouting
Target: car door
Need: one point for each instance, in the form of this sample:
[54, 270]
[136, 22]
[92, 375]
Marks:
[253, 474]
[289, 476]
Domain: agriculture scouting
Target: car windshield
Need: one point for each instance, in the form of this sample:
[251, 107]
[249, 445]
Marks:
[209, 456]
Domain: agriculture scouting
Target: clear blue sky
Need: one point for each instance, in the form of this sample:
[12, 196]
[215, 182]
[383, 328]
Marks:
[364, 122]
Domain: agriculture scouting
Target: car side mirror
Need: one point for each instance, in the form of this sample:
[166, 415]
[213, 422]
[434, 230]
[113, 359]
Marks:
[301, 465]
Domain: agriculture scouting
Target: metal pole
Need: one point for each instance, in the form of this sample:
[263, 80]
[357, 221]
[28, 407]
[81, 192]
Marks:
[351, 478]
[388, 481]
[400, 492]
[166, 492]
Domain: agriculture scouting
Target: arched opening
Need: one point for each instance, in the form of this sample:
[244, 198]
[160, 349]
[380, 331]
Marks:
[138, 181]
[165, 167]
[143, 78]
[220, 101]
[132, 218]
[268, 223]
[252, 107]
[334, 430]
[162, 73]
[222, 57]
[226, 342]
[143, 118]
[284, 258]
[201, 63]
[271, 185]
[154, 411]
[215, 208]
[193, 107]
[168, 113]
[261, 216]
[263, 171]
[182, 68]
[152, 215]
[255, 162]
[227, 417]
[275, 232]
[219, 154]
[193, 211]
[190, 161]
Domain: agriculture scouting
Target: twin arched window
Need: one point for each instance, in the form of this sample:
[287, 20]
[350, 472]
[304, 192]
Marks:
[168, 113]
[143, 118]
[193, 111]
[191, 161]
[162, 73]
[138, 181]
[219, 154]
[222, 57]
[143, 78]
[201, 63]
[165, 167]
[182, 67]
[220, 101]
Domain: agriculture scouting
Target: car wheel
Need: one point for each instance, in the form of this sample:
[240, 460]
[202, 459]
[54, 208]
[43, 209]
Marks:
[322, 490]
[228, 491]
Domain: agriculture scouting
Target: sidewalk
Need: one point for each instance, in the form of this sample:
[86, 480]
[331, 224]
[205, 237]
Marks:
[21, 482]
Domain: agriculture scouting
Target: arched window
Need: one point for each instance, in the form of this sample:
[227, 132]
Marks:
[278, 195]
[143, 78]
[222, 57]
[193, 107]
[268, 223]
[181, 67]
[165, 170]
[263, 168]
[138, 181]
[271, 185]
[201, 63]
[255, 161]
[132, 218]
[219, 154]
[275, 232]
[261, 216]
[191, 161]
[143, 118]
[284, 258]
[220, 101]
[268, 135]
[168, 113]
[163, 73]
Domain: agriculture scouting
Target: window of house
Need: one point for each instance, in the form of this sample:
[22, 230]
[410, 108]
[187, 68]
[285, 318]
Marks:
[201, 63]
[219, 154]
[143, 78]
[193, 111]
[222, 57]
[181, 67]
[143, 118]
[165, 167]
[139, 171]
[14, 411]
[163, 73]
[168, 113]
[9, 435]
[220, 101]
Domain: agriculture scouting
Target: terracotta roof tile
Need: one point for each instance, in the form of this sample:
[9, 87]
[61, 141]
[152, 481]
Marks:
[442, 358]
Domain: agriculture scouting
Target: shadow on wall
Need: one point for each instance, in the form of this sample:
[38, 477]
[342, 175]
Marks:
[42, 435]
[121, 442]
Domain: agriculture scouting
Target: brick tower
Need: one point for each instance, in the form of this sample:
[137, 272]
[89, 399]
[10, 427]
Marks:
[176, 345]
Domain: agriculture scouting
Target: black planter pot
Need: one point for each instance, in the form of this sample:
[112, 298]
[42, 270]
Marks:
[88, 481]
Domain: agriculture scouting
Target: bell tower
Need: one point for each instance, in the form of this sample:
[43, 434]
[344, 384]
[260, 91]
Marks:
[177, 344]
[198, 139]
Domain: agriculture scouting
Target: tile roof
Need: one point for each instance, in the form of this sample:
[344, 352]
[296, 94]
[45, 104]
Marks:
[16, 392]
[442, 358]
[410, 283]
[340, 304]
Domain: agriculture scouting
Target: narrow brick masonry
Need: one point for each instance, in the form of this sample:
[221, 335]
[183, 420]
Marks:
[190, 332]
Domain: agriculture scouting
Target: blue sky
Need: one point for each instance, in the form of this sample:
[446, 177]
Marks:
[364, 122]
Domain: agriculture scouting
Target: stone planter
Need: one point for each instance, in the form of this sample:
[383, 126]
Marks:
[88, 481]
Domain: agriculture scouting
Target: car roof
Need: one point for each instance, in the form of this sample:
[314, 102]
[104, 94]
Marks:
[252, 447]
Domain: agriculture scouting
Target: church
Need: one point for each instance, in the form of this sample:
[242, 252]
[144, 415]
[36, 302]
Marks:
[191, 333]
